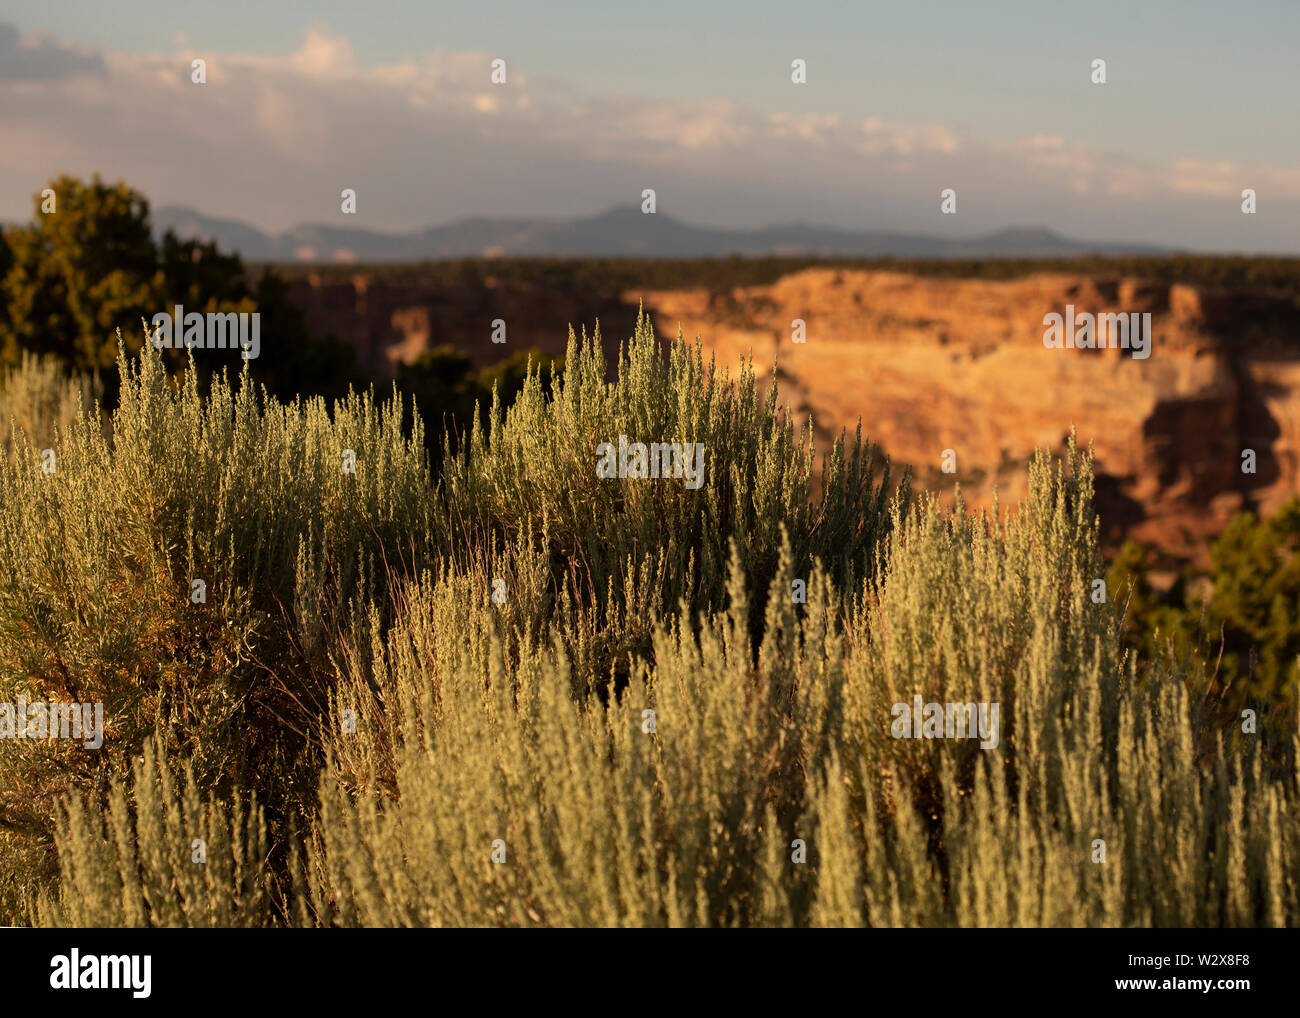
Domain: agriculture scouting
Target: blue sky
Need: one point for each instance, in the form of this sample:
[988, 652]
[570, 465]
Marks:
[903, 98]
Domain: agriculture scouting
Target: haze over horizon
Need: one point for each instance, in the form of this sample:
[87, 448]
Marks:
[599, 104]
[619, 231]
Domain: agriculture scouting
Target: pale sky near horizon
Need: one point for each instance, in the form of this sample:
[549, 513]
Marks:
[694, 99]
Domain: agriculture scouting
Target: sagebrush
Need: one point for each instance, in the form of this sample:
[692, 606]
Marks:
[519, 694]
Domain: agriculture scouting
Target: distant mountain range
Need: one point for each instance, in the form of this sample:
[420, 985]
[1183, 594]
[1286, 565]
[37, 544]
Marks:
[618, 232]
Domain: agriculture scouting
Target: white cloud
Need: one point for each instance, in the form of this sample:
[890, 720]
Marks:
[1113, 173]
[273, 140]
[322, 54]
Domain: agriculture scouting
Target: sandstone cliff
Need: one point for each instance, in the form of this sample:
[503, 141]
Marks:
[936, 364]
[933, 364]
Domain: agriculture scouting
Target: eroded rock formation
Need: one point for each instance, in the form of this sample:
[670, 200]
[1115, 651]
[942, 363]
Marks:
[932, 364]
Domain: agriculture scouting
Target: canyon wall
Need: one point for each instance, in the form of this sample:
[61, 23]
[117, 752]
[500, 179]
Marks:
[934, 364]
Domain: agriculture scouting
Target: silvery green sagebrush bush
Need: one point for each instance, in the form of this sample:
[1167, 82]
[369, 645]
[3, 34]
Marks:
[638, 547]
[745, 730]
[693, 825]
[160, 854]
[101, 553]
[37, 399]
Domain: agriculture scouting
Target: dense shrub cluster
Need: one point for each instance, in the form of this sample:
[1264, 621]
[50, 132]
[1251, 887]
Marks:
[525, 695]
[608, 280]
[89, 265]
[1240, 620]
[102, 553]
[38, 398]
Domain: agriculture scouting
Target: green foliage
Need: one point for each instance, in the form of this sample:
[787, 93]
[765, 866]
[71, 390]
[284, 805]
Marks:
[450, 393]
[38, 399]
[230, 488]
[78, 273]
[1242, 623]
[160, 855]
[603, 824]
[605, 280]
[1152, 622]
[623, 542]
[754, 747]
[74, 278]
[1256, 602]
[359, 720]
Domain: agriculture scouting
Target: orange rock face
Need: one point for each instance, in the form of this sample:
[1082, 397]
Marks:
[934, 364]
[937, 364]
